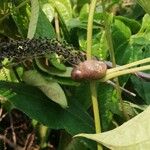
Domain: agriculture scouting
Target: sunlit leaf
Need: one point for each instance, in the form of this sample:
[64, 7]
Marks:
[145, 5]
[48, 10]
[132, 135]
[39, 25]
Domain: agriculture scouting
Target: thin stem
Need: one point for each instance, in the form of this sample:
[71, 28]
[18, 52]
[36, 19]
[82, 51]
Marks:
[123, 72]
[90, 29]
[112, 55]
[143, 61]
[93, 83]
[95, 107]
[57, 27]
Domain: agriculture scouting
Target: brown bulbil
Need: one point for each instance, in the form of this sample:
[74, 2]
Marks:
[89, 70]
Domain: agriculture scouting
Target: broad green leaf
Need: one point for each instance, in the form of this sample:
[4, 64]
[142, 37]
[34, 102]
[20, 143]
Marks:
[99, 47]
[83, 16]
[129, 51]
[37, 106]
[132, 135]
[44, 26]
[145, 24]
[63, 25]
[5, 74]
[145, 5]
[33, 19]
[120, 33]
[21, 18]
[82, 94]
[50, 88]
[67, 4]
[9, 29]
[64, 8]
[131, 23]
[48, 10]
[39, 25]
[108, 104]
[80, 3]
[143, 88]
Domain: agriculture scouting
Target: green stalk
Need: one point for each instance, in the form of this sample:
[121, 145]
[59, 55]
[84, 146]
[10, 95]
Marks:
[93, 83]
[123, 72]
[57, 27]
[139, 62]
[112, 55]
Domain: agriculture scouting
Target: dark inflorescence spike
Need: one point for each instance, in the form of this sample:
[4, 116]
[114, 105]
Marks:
[32, 48]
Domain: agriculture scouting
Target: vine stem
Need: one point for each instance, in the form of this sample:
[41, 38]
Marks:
[93, 83]
[112, 55]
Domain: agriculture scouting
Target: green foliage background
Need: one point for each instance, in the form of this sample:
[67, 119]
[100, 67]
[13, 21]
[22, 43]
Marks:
[52, 97]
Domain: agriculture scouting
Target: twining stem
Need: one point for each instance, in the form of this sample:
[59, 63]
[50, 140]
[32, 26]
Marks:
[93, 83]
[123, 72]
[112, 55]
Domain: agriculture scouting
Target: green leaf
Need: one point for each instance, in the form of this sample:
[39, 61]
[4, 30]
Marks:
[145, 24]
[48, 10]
[39, 25]
[99, 45]
[55, 60]
[44, 27]
[142, 87]
[5, 74]
[64, 8]
[83, 16]
[108, 104]
[132, 135]
[131, 23]
[37, 106]
[21, 18]
[120, 33]
[129, 52]
[64, 11]
[82, 94]
[33, 19]
[54, 71]
[145, 5]
[63, 26]
[50, 88]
